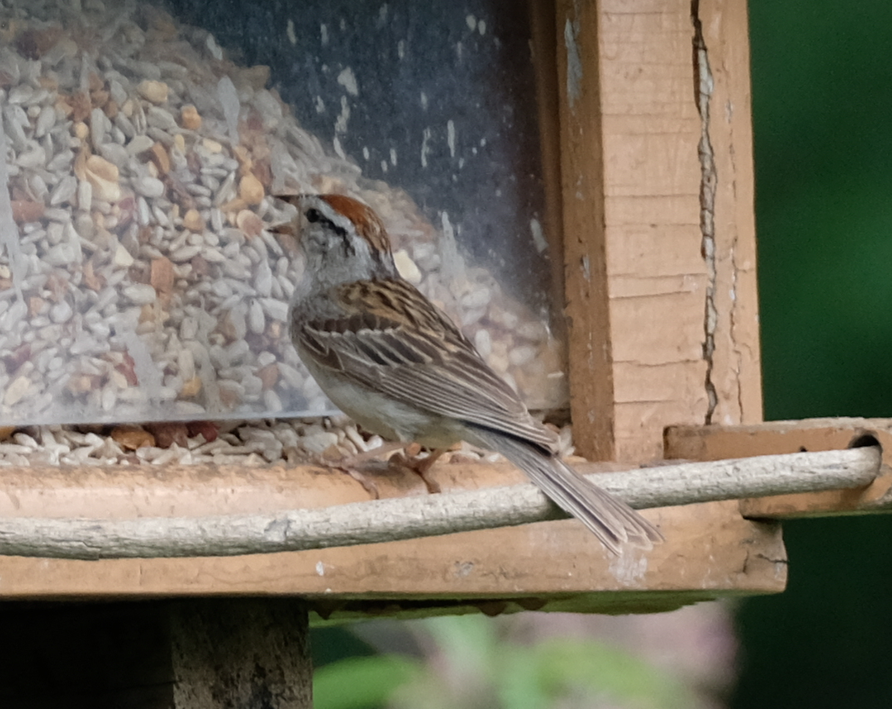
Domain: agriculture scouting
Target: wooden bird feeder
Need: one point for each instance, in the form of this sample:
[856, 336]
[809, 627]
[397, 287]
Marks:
[648, 147]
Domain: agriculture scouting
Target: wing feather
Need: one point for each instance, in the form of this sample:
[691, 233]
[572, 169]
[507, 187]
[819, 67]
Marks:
[401, 345]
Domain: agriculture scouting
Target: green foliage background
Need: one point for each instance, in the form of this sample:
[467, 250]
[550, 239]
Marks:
[472, 663]
[822, 104]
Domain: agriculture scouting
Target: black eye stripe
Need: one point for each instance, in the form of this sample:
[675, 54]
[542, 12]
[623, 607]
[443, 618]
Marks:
[314, 215]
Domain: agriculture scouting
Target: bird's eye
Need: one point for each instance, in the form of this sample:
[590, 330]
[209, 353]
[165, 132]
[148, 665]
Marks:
[313, 215]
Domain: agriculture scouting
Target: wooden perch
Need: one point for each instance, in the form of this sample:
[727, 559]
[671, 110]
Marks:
[706, 443]
[411, 517]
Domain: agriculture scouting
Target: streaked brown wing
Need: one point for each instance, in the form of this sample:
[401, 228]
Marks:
[426, 363]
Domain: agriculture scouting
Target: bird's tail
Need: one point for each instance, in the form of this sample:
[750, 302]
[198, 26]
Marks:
[611, 519]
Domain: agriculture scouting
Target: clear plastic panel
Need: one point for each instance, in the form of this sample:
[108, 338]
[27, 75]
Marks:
[137, 278]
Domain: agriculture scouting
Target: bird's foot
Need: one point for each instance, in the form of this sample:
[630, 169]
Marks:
[409, 459]
[369, 485]
[353, 465]
[402, 458]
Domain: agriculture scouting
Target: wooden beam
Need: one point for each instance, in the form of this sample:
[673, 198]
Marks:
[718, 442]
[658, 277]
[240, 652]
[548, 565]
[412, 518]
[735, 374]
[589, 349]
[659, 236]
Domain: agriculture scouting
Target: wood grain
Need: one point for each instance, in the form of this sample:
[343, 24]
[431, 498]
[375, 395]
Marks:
[402, 518]
[718, 442]
[736, 366]
[652, 197]
[589, 349]
[659, 235]
[550, 565]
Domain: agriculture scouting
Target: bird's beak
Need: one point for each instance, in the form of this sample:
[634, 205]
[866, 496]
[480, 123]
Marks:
[290, 198]
[287, 228]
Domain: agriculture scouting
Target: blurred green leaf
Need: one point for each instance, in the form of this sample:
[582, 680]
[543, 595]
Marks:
[362, 682]
[476, 669]
[521, 683]
[467, 641]
[608, 671]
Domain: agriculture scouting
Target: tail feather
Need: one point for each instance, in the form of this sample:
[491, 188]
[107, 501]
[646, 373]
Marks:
[610, 519]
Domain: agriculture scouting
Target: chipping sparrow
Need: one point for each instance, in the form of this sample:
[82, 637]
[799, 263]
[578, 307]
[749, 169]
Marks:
[390, 359]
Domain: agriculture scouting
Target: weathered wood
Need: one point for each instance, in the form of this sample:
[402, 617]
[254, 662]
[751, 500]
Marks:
[396, 519]
[241, 653]
[735, 373]
[550, 566]
[589, 350]
[777, 437]
[657, 273]
[555, 566]
[658, 220]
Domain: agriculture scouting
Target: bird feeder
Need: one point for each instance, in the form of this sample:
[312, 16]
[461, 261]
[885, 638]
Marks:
[646, 156]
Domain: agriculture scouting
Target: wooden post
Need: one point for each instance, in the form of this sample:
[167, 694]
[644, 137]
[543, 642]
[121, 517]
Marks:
[659, 237]
[590, 351]
[241, 652]
[735, 374]
[190, 654]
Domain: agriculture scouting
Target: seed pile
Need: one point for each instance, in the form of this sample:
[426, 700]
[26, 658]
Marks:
[138, 280]
[222, 443]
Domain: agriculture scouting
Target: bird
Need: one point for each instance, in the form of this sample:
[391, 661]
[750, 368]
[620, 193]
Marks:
[397, 365]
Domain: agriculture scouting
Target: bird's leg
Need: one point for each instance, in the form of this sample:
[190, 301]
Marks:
[381, 451]
[352, 465]
[368, 485]
[347, 466]
[409, 458]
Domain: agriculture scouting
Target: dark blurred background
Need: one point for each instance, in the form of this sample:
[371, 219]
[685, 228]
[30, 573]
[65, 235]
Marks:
[822, 118]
